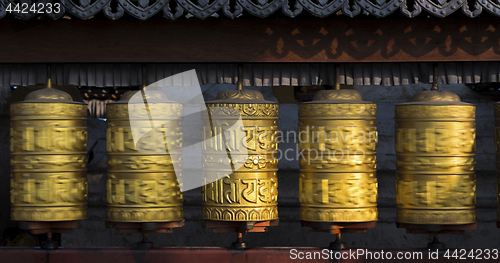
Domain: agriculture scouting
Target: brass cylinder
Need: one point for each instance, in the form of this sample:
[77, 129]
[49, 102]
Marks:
[435, 147]
[250, 191]
[337, 147]
[48, 144]
[142, 185]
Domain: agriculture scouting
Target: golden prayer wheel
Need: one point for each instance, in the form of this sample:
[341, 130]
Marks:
[247, 156]
[337, 145]
[48, 144]
[142, 185]
[435, 147]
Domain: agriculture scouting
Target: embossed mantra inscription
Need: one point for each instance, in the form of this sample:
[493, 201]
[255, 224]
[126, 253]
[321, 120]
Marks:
[338, 134]
[48, 144]
[142, 185]
[250, 193]
[435, 146]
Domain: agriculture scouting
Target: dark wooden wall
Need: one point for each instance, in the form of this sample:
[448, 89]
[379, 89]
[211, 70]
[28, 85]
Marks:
[255, 40]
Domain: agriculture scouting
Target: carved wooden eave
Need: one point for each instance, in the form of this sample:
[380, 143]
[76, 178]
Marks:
[173, 9]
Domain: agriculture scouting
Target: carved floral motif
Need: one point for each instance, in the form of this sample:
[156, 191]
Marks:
[145, 9]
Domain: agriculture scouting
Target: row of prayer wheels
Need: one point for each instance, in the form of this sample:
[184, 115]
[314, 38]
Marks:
[435, 146]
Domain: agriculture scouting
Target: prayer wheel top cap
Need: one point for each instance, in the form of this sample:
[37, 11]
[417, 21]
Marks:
[436, 97]
[49, 95]
[241, 96]
[338, 96]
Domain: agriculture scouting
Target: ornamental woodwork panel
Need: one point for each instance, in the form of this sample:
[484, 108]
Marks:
[202, 9]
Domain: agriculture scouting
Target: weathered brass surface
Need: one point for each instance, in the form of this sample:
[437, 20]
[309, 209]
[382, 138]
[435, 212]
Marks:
[142, 184]
[435, 146]
[48, 144]
[250, 193]
[338, 139]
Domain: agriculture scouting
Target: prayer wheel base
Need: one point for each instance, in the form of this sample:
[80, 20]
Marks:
[337, 227]
[37, 227]
[239, 226]
[436, 229]
[49, 244]
[239, 244]
[337, 244]
[145, 244]
[144, 227]
[436, 244]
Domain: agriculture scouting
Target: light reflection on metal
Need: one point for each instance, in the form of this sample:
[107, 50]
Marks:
[48, 144]
[142, 184]
[250, 191]
[338, 137]
[435, 146]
